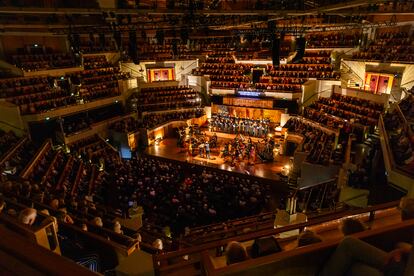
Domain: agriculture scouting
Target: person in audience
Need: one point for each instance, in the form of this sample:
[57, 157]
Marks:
[317, 141]
[351, 226]
[308, 237]
[138, 237]
[117, 228]
[158, 244]
[357, 257]
[54, 204]
[63, 217]
[84, 227]
[164, 98]
[97, 221]
[28, 216]
[235, 253]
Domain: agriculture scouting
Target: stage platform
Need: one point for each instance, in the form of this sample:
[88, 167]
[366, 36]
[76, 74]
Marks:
[168, 149]
[230, 136]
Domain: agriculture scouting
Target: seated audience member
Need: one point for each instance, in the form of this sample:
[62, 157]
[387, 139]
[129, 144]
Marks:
[138, 237]
[54, 204]
[28, 216]
[117, 228]
[97, 221]
[63, 217]
[356, 257]
[84, 227]
[235, 252]
[351, 226]
[158, 244]
[308, 237]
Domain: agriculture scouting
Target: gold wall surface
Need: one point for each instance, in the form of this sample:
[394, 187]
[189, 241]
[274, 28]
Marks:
[248, 102]
[248, 112]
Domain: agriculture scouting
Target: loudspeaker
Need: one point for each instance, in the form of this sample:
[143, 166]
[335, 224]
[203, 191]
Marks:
[300, 48]
[118, 39]
[290, 148]
[174, 47]
[275, 48]
[132, 47]
[102, 41]
[256, 75]
[184, 35]
[160, 37]
[143, 137]
[75, 42]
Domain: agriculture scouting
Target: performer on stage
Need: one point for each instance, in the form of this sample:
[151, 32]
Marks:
[235, 125]
[207, 149]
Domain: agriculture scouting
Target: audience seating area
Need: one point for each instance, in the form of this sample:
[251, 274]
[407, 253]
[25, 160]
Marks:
[258, 50]
[126, 125]
[389, 46]
[93, 47]
[7, 140]
[348, 116]
[69, 187]
[79, 122]
[318, 143]
[98, 80]
[333, 40]
[407, 106]
[204, 198]
[152, 120]
[225, 73]
[400, 135]
[89, 186]
[45, 59]
[348, 109]
[325, 231]
[85, 222]
[309, 259]
[164, 98]
[168, 51]
[44, 93]
[19, 157]
[35, 94]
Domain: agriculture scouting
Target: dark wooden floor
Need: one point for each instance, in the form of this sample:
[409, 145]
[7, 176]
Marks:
[168, 149]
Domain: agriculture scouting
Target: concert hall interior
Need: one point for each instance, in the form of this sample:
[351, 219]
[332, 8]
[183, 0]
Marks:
[206, 137]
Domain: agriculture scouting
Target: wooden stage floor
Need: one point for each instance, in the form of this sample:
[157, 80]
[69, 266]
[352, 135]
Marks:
[168, 149]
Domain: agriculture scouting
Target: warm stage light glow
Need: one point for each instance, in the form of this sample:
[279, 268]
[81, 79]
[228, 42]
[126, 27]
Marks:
[157, 141]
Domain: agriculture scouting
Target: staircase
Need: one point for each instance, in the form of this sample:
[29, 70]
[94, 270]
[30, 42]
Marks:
[350, 79]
